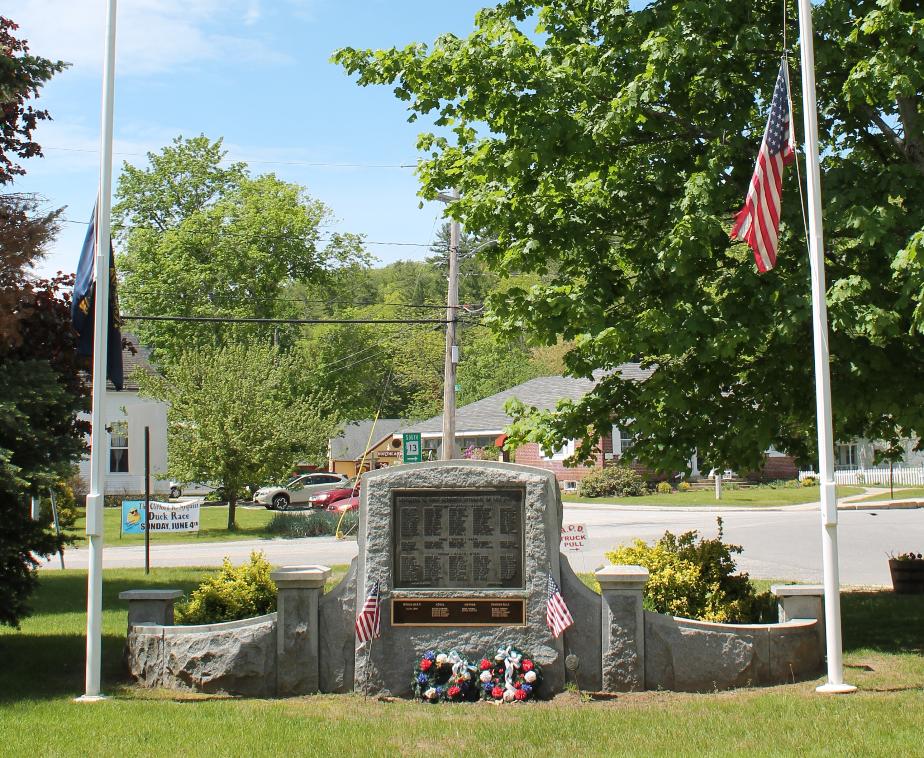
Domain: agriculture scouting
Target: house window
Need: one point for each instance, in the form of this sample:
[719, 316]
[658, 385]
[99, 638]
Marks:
[846, 456]
[561, 453]
[621, 443]
[118, 447]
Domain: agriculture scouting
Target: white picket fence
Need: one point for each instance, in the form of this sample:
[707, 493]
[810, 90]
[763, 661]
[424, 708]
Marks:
[878, 475]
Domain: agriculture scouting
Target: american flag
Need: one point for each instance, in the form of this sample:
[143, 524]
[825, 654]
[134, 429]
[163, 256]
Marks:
[557, 616]
[758, 222]
[367, 622]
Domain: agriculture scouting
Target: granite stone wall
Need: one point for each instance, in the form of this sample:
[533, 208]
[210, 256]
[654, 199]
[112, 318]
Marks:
[699, 656]
[236, 657]
[337, 614]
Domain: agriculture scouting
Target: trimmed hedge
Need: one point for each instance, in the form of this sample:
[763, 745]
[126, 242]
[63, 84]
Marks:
[695, 578]
[620, 481]
[235, 592]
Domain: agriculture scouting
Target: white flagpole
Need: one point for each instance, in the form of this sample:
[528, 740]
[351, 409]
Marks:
[95, 497]
[835, 682]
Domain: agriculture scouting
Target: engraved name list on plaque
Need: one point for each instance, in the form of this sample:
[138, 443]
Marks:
[458, 539]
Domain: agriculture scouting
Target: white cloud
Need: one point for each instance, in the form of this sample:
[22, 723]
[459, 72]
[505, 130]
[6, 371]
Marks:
[152, 36]
[252, 14]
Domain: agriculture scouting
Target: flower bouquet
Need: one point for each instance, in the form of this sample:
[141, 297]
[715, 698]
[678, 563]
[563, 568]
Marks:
[511, 676]
[443, 676]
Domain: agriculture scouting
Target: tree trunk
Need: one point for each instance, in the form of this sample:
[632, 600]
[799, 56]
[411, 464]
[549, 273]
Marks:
[232, 502]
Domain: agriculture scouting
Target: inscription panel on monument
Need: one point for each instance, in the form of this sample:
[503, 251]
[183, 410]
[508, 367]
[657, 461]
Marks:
[458, 539]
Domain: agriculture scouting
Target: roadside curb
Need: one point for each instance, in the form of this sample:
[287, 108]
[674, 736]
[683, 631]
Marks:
[886, 505]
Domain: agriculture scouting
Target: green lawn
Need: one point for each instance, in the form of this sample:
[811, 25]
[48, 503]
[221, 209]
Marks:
[43, 670]
[213, 527]
[897, 494]
[758, 497]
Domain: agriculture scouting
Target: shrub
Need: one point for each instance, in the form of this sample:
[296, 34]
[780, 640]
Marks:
[684, 486]
[235, 592]
[68, 507]
[810, 481]
[315, 524]
[612, 480]
[694, 577]
[664, 488]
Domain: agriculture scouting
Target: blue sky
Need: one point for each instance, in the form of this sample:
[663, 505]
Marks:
[255, 72]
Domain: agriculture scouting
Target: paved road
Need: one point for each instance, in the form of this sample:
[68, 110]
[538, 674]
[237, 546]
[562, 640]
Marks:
[778, 544]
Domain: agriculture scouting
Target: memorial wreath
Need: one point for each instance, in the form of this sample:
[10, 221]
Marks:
[444, 676]
[510, 677]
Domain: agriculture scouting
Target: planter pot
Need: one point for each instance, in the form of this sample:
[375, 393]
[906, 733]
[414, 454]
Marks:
[907, 576]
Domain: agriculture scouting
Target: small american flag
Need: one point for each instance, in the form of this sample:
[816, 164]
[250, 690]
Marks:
[758, 222]
[557, 616]
[367, 622]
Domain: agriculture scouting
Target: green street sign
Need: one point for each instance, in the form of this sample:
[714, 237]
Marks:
[411, 448]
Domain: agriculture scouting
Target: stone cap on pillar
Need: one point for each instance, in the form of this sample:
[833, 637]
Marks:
[150, 594]
[796, 590]
[301, 577]
[622, 577]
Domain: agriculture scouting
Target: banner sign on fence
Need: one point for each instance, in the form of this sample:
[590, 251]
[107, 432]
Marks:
[165, 517]
[574, 537]
[132, 516]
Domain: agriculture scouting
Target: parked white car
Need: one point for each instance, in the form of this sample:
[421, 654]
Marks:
[297, 491]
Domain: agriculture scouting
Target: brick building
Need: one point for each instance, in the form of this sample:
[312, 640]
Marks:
[483, 423]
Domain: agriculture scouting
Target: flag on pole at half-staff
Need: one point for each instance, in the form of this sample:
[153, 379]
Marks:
[82, 307]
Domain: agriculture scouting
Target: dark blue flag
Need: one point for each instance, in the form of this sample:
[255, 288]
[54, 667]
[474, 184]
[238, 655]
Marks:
[83, 304]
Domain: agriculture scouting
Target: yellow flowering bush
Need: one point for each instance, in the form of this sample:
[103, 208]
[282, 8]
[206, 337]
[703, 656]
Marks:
[695, 578]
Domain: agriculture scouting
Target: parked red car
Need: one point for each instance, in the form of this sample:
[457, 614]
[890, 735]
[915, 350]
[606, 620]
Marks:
[348, 504]
[329, 497]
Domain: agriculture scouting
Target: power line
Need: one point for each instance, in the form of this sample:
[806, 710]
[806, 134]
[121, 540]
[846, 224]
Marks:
[321, 238]
[211, 297]
[246, 320]
[227, 159]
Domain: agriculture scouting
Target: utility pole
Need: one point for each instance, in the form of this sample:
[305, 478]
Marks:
[452, 349]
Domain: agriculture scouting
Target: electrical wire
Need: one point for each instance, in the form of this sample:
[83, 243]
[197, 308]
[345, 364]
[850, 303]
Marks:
[468, 307]
[228, 159]
[321, 238]
[249, 320]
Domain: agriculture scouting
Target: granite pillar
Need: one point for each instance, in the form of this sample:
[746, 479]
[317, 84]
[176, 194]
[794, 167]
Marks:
[802, 601]
[298, 635]
[150, 607]
[623, 627]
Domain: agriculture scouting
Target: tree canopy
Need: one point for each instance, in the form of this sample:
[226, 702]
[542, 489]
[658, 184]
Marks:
[41, 387]
[204, 239]
[236, 417]
[607, 151]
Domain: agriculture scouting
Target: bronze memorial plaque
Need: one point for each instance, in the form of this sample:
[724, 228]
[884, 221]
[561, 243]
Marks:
[458, 611]
[458, 539]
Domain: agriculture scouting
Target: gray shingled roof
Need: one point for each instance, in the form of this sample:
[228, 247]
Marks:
[487, 414]
[140, 360]
[350, 444]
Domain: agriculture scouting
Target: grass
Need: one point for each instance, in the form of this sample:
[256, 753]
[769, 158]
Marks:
[757, 497]
[43, 670]
[213, 527]
[898, 494]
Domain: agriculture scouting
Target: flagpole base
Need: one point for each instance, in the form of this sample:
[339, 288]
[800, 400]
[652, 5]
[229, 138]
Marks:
[90, 698]
[835, 689]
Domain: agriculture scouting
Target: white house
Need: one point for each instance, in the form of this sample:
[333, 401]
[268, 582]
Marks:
[126, 415]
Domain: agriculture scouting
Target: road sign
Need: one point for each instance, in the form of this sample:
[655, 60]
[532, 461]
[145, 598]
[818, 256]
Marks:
[411, 447]
[574, 537]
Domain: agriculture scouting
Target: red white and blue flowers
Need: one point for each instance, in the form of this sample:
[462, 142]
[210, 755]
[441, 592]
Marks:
[510, 676]
[507, 676]
[443, 676]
